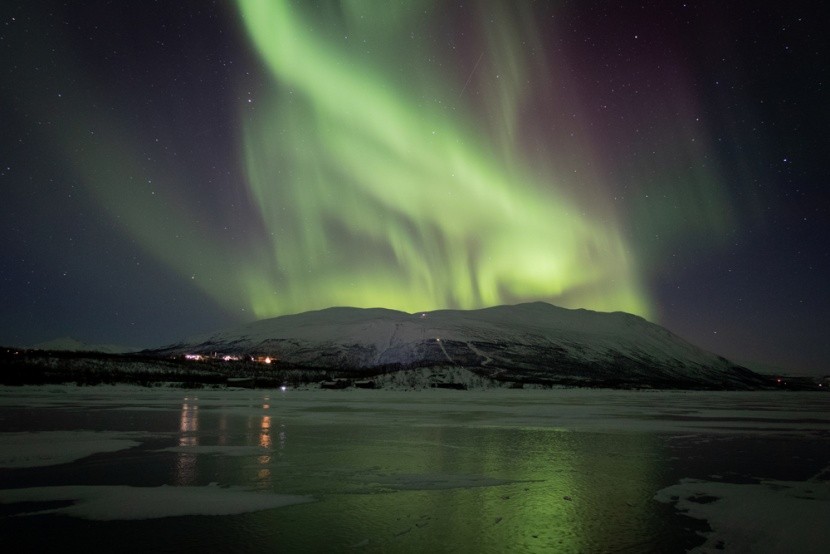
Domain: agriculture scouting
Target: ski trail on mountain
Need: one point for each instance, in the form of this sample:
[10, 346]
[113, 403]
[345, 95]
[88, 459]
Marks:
[384, 345]
[441, 344]
[480, 354]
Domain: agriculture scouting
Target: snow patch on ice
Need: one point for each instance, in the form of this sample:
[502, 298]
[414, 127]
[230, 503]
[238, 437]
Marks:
[771, 516]
[49, 448]
[106, 503]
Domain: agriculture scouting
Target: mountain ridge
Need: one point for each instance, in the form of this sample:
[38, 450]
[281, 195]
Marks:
[530, 342]
[71, 344]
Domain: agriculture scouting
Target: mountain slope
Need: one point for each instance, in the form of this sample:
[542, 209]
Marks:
[69, 344]
[534, 342]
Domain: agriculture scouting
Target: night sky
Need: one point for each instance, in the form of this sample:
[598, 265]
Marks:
[172, 168]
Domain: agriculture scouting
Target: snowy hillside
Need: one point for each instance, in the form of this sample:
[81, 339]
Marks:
[534, 342]
[68, 344]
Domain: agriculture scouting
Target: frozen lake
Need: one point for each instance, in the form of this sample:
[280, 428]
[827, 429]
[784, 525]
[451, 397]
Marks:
[422, 471]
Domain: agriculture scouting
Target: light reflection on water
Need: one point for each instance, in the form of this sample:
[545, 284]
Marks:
[188, 437]
[264, 473]
[448, 484]
[409, 488]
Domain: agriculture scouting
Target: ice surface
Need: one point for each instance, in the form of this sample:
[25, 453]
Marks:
[218, 450]
[377, 461]
[105, 503]
[433, 481]
[57, 447]
[771, 516]
[599, 410]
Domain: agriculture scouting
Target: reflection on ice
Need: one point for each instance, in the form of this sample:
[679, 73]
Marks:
[188, 438]
[218, 450]
[189, 420]
[264, 472]
[429, 481]
[484, 471]
[265, 434]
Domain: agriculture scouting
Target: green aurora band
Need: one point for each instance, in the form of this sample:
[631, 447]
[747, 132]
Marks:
[378, 186]
[384, 169]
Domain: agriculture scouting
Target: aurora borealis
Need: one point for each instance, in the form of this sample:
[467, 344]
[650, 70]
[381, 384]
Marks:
[382, 194]
[179, 168]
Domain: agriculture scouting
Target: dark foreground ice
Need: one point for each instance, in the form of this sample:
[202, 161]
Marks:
[141, 470]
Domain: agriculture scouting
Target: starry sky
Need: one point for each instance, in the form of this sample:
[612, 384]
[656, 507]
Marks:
[172, 168]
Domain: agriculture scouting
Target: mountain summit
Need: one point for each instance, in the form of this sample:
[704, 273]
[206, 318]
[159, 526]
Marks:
[534, 342]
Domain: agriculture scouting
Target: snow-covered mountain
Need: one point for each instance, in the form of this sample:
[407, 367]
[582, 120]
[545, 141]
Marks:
[535, 342]
[68, 344]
